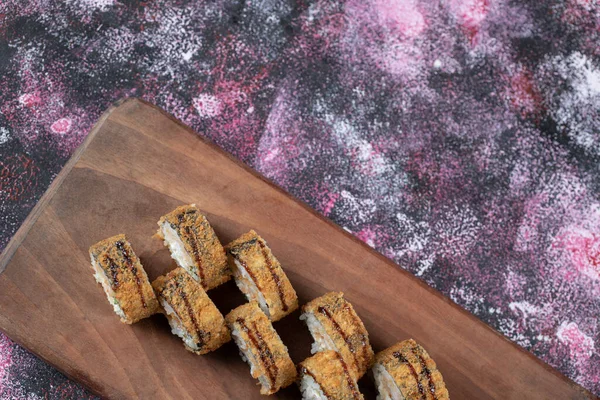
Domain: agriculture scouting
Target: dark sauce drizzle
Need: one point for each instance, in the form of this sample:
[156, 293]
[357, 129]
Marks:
[351, 383]
[196, 251]
[199, 332]
[264, 352]
[192, 239]
[339, 329]
[428, 373]
[114, 269]
[129, 262]
[357, 323]
[404, 360]
[276, 278]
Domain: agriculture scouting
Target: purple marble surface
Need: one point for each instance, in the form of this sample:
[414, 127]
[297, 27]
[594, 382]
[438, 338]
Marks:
[460, 138]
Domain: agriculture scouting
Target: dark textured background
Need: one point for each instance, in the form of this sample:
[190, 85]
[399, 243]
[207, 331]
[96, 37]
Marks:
[461, 138]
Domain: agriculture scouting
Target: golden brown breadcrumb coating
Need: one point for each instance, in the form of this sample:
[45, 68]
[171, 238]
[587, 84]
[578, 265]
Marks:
[127, 278]
[253, 254]
[330, 372]
[270, 355]
[344, 327]
[194, 309]
[201, 243]
[414, 371]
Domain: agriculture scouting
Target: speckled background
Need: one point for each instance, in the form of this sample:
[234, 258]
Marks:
[461, 138]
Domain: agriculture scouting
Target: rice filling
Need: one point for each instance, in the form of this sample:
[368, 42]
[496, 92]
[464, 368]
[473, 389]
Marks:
[247, 286]
[310, 389]
[247, 356]
[101, 278]
[322, 339]
[177, 248]
[177, 327]
[386, 386]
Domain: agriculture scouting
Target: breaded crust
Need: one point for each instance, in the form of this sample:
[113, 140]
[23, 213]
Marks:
[196, 311]
[256, 257]
[271, 355]
[330, 372]
[345, 328]
[414, 371]
[127, 277]
[201, 243]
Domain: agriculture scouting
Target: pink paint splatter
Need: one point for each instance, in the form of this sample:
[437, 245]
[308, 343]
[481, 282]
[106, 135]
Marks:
[523, 94]
[400, 16]
[471, 14]
[330, 203]
[583, 247]
[284, 138]
[580, 345]
[207, 105]
[367, 235]
[61, 126]
[386, 31]
[44, 105]
[30, 99]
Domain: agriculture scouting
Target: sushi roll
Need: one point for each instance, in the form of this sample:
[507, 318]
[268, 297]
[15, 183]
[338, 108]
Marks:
[191, 314]
[334, 325]
[194, 246]
[406, 372]
[259, 276]
[118, 270]
[325, 376]
[261, 347]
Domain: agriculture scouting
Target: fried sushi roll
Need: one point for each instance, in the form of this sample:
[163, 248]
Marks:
[334, 325]
[325, 376]
[191, 313]
[194, 246]
[260, 277]
[124, 280]
[261, 347]
[406, 372]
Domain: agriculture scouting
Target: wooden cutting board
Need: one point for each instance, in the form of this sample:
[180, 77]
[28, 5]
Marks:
[139, 163]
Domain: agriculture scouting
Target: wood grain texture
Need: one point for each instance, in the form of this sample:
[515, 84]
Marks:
[138, 164]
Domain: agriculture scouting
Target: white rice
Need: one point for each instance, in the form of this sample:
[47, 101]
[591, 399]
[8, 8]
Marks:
[101, 278]
[386, 386]
[177, 327]
[310, 389]
[178, 251]
[246, 284]
[322, 340]
[247, 356]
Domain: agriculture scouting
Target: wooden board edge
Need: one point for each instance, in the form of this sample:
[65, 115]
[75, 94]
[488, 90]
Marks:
[388, 261]
[23, 230]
